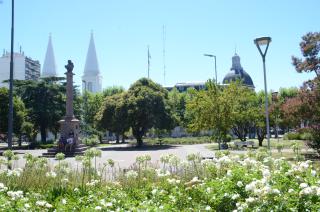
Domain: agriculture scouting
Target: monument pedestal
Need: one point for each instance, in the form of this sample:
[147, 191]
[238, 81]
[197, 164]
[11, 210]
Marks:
[70, 127]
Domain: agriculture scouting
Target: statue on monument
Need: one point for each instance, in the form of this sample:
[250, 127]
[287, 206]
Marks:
[69, 66]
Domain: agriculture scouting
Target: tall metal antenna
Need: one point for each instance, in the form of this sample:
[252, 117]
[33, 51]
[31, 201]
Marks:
[164, 53]
[149, 57]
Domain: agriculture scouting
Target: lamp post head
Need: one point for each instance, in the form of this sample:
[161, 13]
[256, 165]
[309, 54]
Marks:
[208, 55]
[262, 41]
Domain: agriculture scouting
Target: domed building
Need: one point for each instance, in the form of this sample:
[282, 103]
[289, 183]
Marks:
[237, 72]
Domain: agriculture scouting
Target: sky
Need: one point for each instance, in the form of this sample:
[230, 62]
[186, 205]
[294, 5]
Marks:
[124, 28]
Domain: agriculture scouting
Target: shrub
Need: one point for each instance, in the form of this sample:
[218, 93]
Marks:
[93, 140]
[292, 136]
[315, 141]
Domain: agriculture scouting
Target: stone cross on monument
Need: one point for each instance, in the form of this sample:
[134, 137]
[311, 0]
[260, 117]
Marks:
[69, 125]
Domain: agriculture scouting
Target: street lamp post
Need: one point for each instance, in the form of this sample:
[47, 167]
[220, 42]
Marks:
[85, 103]
[215, 64]
[262, 42]
[275, 102]
[10, 115]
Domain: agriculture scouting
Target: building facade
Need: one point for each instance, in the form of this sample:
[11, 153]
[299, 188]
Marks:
[24, 68]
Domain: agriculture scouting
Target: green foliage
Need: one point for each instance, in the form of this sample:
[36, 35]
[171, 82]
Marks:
[310, 48]
[148, 107]
[110, 91]
[92, 140]
[19, 113]
[113, 115]
[213, 109]
[177, 102]
[92, 104]
[254, 182]
[246, 110]
[45, 101]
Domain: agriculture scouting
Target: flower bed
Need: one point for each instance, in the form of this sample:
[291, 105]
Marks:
[253, 182]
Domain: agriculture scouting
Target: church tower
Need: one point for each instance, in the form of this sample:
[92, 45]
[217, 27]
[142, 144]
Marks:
[92, 80]
[49, 65]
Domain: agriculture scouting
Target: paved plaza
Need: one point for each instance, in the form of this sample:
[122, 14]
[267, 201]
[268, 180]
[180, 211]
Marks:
[124, 155]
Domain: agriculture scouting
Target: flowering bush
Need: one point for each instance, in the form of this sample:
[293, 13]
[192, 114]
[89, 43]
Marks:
[251, 182]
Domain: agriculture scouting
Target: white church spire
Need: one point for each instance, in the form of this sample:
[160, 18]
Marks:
[92, 66]
[49, 65]
[91, 76]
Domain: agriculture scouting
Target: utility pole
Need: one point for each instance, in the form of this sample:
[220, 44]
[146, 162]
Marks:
[149, 57]
[10, 115]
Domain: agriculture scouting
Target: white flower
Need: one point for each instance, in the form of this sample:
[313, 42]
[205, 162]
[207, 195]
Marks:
[229, 173]
[26, 205]
[161, 207]
[275, 191]
[131, 174]
[208, 208]
[109, 204]
[303, 185]
[313, 173]
[2, 187]
[235, 196]
[154, 191]
[265, 173]
[64, 201]
[162, 173]
[15, 172]
[15, 194]
[250, 200]
[51, 174]
[64, 180]
[98, 208]
[290, 190]
[48, 205]
[41, 203]
[306, 191]
[93, 182]
[239, 184]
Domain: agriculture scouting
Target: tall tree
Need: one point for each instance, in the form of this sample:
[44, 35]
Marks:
[310, 47]
[113, 115]
[245, 110]
[148, 107]
[177, 102]
[19, 113]
[213, 109]
[45, 101]
[109, 91]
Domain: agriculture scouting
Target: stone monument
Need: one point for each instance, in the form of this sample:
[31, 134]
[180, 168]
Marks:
[70, 125]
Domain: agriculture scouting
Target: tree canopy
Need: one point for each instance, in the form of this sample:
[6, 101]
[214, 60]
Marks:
[310, 47]
[148, 108]
[45, 101]
[19, 113]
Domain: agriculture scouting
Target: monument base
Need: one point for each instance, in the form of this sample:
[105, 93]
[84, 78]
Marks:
[70, 128]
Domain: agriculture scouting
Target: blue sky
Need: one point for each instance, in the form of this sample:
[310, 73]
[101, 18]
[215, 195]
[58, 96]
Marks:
[124, 28]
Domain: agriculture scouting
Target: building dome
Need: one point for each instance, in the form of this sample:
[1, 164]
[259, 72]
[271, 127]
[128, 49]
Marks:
[236, 72]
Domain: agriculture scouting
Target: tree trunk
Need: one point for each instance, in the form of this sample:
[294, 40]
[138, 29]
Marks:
[117, 138]
[20, 141]
[43, 134]
[139, 141]
[122, 138]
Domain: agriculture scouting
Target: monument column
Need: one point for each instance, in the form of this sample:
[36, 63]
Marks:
[69, 125]
[69, 103]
